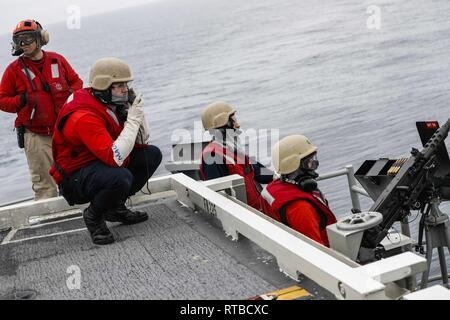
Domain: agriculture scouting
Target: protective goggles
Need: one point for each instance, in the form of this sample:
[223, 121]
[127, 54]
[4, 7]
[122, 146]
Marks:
[310, 163]
[24, 39]
[231, 120]
[120, 85]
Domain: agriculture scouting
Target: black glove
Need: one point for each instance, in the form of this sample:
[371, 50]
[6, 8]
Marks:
[23, 99]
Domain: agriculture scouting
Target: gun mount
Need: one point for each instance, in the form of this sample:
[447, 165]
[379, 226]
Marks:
[397, 186]
[408, 183]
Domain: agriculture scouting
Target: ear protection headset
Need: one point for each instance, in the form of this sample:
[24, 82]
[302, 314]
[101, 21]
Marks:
[307, 184]
[43, 34]
[305, 180]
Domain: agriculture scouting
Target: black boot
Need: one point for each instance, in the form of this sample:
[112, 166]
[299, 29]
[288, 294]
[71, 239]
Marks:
[96, 225]
[122, 214]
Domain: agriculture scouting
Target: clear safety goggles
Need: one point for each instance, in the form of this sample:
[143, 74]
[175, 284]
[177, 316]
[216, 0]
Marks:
[310, 163]
[120, 85]
[24, 39]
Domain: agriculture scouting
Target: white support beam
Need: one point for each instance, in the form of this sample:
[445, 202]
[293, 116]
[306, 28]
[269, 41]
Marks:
[235, 183]
[158, 184]
[293, 254]
[224, 182]
[395, 268]
[436, 292]
[18, 215]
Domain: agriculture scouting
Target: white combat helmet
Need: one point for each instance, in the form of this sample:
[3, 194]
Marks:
[289, 151]
[216, 115]
[106, 71]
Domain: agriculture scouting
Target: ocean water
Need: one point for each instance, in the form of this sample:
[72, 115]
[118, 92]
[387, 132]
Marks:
[307, 67]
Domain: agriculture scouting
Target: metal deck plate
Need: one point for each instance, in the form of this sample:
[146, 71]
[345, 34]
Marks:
[176, 254]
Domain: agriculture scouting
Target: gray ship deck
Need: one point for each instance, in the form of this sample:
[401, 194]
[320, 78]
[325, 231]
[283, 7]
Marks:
[176, 254]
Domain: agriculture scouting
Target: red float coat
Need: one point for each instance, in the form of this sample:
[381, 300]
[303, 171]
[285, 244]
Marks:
[307, 213]
[235, 165]
[53, 84]
[84, 133]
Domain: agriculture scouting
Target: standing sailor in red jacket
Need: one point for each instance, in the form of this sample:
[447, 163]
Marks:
[101, 151]
[225, 155]
[35, 86]
[294, 199]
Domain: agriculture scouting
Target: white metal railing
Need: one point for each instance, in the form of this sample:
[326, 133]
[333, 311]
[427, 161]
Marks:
[348, 171]
[353, 185]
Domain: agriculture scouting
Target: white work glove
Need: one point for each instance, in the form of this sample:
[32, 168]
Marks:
[124, 143]
[143, 136]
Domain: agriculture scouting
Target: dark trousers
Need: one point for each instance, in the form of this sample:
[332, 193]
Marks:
[106, 187]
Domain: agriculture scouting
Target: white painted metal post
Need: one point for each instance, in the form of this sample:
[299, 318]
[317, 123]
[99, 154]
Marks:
[352, 183]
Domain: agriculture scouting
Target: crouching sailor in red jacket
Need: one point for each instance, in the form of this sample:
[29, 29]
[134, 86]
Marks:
[36, 86]
[294, 199]
[101, 151]
[225, 156]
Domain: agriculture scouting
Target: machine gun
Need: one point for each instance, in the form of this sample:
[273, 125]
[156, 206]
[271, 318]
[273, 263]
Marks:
[409, 189]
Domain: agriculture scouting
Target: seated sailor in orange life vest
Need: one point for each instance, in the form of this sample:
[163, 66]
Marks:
[294, 199]
[224, 155]
[101, 148]
[35, 86]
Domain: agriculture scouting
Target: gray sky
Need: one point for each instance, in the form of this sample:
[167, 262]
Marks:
[50, 11]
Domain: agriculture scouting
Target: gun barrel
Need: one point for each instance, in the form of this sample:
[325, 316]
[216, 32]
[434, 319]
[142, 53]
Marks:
[436, 139]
